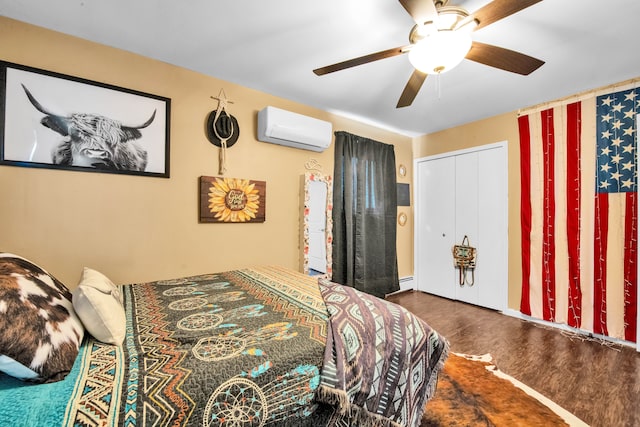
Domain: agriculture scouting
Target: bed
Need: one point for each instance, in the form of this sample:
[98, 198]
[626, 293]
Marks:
[248, 347]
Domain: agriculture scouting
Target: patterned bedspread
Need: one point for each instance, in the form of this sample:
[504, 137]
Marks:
[242, 348]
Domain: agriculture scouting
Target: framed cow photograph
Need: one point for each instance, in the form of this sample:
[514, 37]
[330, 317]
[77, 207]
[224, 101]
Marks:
[57, 121]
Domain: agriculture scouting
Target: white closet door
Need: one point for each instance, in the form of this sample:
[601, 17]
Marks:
[457, 194]
[466, 219]
[493, 258]
[435, 203]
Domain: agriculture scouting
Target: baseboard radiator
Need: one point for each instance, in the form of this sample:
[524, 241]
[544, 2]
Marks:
[406, 283]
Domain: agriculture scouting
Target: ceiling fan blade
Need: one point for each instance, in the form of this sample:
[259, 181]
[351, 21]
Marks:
[411, 89]
[504, 59]
[361, 60]
[420, 10]
[498, 9]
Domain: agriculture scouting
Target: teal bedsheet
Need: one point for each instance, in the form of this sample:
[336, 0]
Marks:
[47, 403]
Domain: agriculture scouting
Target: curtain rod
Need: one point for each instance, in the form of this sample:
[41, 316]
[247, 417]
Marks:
[616, 87]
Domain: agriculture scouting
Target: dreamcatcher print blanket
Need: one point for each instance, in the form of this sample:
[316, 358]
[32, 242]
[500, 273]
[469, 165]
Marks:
[241, 348]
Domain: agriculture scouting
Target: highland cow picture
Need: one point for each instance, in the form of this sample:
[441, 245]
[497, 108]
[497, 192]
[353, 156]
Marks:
[58, 121]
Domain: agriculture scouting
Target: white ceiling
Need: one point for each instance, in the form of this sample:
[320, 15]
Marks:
[273, 46]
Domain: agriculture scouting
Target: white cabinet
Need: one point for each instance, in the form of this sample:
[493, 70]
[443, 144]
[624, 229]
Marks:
[459, 194]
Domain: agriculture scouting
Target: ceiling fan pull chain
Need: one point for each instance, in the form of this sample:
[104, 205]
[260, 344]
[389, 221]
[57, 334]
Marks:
[438, 87]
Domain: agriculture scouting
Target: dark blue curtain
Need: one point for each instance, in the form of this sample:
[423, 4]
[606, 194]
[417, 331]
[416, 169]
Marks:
[364, 215]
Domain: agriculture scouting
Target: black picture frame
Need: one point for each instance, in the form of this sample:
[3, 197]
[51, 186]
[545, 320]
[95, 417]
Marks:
[57, 121]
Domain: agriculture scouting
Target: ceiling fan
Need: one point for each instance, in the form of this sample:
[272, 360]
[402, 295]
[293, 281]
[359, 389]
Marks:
[441, 39]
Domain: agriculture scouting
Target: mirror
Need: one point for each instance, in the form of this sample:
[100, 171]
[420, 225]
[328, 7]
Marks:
[317, 224]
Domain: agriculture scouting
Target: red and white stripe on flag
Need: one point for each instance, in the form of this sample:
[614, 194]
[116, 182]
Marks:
[578, 245]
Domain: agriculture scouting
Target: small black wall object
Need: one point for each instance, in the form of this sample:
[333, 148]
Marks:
[404, 198]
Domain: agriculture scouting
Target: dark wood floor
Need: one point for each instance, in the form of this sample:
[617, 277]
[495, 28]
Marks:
[598, 383]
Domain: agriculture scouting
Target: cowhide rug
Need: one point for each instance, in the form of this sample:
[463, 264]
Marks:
[473, 392]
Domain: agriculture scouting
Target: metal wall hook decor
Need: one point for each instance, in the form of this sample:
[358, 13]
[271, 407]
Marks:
[222, 128]
[313, 165]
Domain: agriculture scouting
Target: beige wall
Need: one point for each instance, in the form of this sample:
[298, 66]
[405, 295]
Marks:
[495, 129]
[404, 156]
[139, 228]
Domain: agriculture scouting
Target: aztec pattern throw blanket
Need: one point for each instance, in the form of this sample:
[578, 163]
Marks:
[383, 384]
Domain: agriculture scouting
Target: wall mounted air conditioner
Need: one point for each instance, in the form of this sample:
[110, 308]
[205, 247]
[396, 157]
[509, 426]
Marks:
[293, 130]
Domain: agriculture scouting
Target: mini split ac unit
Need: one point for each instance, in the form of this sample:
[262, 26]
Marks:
[293, 130]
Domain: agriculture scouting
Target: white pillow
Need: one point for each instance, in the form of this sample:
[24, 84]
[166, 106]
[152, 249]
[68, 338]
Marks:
[99, 305]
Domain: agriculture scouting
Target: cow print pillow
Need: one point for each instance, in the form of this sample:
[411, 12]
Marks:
[40, 333]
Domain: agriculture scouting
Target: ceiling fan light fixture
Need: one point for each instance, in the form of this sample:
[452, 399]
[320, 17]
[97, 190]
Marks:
[450, 16]
[440, 52]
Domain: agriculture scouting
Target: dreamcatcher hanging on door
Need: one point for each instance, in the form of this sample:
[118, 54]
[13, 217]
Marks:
[464, 258]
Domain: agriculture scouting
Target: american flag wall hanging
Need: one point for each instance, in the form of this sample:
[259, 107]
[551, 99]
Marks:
[579, 214]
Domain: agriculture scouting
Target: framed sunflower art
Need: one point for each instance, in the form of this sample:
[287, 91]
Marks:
[232, 200]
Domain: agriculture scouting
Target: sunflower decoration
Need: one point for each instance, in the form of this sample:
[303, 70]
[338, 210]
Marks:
[233, 199]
